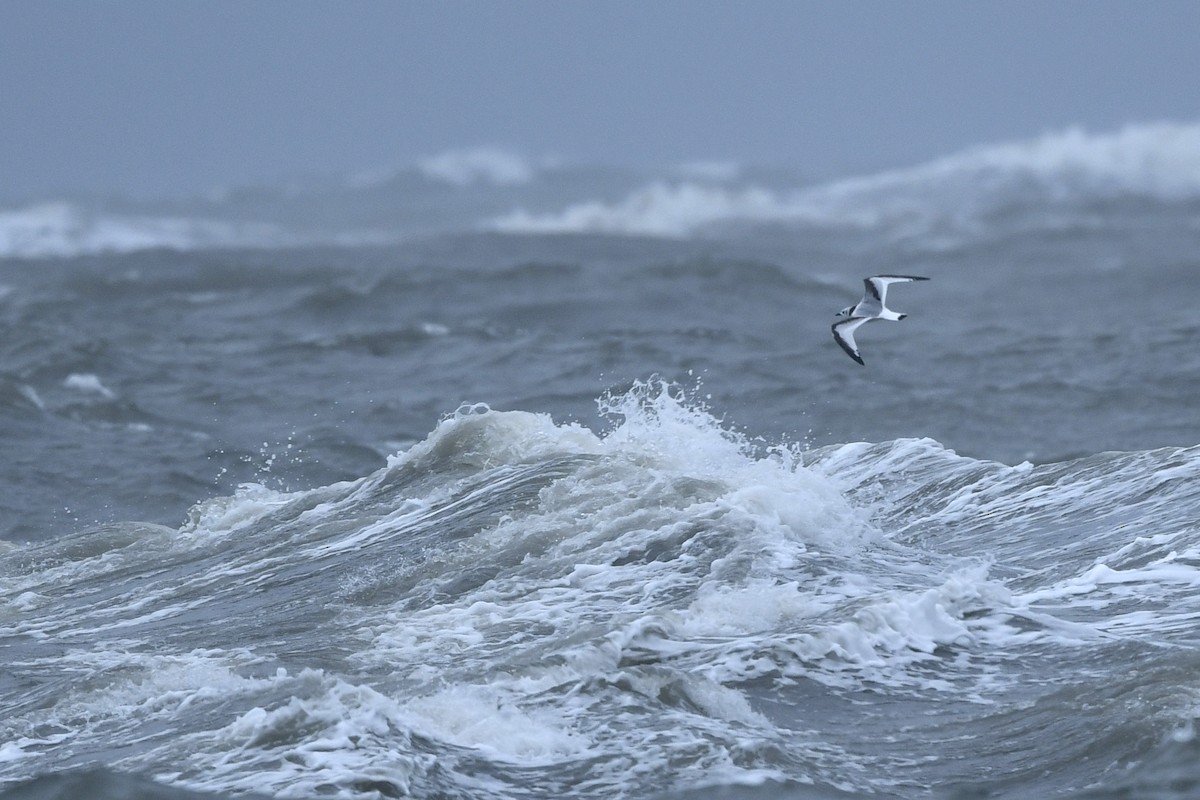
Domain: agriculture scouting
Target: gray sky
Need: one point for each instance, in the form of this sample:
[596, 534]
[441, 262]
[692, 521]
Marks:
[156, 97]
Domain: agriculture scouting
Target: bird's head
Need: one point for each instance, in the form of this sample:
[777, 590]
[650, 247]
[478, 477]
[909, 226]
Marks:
[845, 312]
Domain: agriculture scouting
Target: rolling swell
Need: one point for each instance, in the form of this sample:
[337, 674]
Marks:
[517, 608]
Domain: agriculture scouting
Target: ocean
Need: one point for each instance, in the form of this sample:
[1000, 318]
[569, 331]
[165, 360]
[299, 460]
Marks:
[493, 477]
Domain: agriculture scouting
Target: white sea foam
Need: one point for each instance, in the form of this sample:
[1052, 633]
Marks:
[64, 229]
[512, 603]
[484, 717]
[224, 515]
[490, 165]
[760, 605]
[88, 384]
[330, 734]
[940, 199]
[659, 209]
[160, 686]
[1157, 160]
[771, 520]
[28, 601]
[1100, 540]
[475, 435]
[1154, 160]
[11, 751]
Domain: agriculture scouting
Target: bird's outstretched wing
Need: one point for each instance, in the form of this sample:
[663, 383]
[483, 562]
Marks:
[843, 334]
[877, 285]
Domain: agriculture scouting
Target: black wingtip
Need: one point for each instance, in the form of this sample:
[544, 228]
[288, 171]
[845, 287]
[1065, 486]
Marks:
[842, 344]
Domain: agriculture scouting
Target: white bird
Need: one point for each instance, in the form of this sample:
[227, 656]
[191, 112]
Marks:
[870, 308]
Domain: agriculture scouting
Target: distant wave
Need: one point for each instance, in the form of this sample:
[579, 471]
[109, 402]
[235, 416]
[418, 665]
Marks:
[1160, 161]
[493, 189]
[659, 209]
[65, 229]
[486, 165]
[478, 165]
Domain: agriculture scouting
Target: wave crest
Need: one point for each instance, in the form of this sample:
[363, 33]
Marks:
[488, 165]
[65, 229]
[1160, 161]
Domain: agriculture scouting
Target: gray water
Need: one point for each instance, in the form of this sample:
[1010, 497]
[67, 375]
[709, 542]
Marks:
[563, 489]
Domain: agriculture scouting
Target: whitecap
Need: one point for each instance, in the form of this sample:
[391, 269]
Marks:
[658, 209]
[1159, 160]
[488, 165]
[61, 229]
[88, 384]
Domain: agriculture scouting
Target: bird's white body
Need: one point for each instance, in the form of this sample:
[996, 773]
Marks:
[873, 306]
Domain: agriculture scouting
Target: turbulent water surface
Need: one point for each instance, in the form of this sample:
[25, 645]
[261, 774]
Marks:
[498, 479]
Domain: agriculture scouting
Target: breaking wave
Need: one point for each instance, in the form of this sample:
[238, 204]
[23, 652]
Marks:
[1158, 161]
[64, 229]
[512, 194]
[514, 606]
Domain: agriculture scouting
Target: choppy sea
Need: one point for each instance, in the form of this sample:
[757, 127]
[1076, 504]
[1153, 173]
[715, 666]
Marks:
[491, 477]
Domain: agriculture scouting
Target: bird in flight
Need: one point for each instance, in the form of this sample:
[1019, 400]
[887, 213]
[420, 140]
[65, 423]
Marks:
[870, 308]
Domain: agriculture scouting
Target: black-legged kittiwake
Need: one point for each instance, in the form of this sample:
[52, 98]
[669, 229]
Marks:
[869, 309]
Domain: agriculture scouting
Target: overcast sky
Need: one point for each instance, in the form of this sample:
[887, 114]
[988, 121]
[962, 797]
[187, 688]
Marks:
[154, 97]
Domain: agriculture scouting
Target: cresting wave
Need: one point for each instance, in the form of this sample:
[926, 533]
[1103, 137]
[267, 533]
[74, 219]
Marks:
[518, 608]
[1156, 161]
[65, 229]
